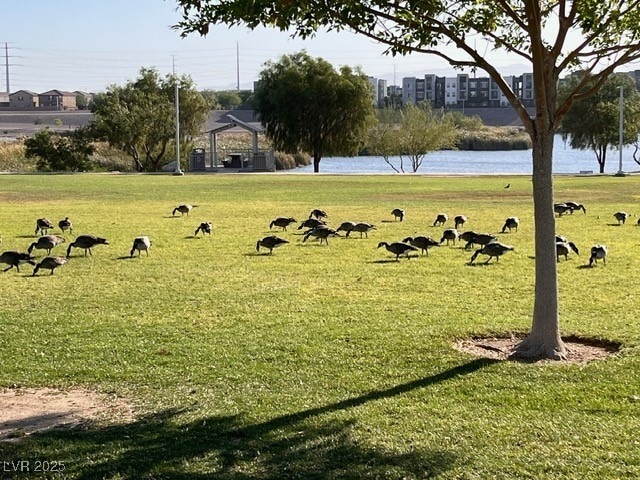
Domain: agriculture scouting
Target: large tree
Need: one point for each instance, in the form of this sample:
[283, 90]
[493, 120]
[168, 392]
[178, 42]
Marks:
[553, 36]
[305, 105]
[593, 123]
[139, 117]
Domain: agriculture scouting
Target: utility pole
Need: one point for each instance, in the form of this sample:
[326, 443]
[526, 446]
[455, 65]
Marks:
[177, 170]
[6, 64]
[237, 66]
[6, 60]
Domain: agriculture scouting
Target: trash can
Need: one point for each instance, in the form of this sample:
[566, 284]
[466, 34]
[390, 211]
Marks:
[236, 160]
[197, 160]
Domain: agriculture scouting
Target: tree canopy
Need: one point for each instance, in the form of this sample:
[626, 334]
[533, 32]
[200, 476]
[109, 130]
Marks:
[305, 105]
[554, 37]
[139, 117]
[593, 123]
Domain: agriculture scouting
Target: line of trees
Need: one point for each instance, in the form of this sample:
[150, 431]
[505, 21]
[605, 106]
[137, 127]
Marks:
[307, 106]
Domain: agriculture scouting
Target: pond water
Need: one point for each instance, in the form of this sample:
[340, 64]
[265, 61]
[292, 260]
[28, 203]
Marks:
[566, 160]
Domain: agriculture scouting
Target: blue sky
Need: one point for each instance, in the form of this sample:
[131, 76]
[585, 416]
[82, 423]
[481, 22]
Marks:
[91, 44]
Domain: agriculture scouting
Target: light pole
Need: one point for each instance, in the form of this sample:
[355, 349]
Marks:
[620, 131]
[177, 170]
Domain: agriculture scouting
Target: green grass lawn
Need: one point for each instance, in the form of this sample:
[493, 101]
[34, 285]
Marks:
[321, 362]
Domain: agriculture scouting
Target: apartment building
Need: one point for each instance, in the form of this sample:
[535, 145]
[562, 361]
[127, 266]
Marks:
[464, 91]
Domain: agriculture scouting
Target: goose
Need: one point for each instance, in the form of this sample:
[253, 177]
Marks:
[448, 235]
[472, 238]
[561, 208]
[43, 225]
[469, 236]
[86, 242]
[204, 227]
[362, 228]
[65, 225]
[423, 243]
[492, 249]
[282, 222]
[575, 206]
[322, 232]
[346, 227]
[510, 222]
[563, 248]
[441, 219]
[46, 242]
[50, 263]
[621, 217]
[184, 208]
[14, 259]
[485, 238]
[459, 221]
[271, 242]
[398, 213]
[318, 214]
[598, 252]
[139, 244]
[311, 223]
[399, 248]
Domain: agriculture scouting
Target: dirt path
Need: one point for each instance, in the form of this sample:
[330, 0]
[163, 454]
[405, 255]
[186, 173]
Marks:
[26, 411]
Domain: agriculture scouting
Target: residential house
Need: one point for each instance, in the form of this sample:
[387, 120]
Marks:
[24, 100]
[58, 100]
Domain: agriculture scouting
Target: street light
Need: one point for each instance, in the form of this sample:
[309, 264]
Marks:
[177, 170]
[620, 131]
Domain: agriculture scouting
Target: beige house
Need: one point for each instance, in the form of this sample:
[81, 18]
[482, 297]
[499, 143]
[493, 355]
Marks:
[58, 100]
[23, 100]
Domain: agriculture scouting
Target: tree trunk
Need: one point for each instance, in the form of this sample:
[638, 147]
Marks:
[603, 157]
[316, 162]
[544, 339]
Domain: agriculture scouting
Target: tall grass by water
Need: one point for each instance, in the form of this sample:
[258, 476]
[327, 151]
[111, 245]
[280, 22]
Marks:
[319, 361]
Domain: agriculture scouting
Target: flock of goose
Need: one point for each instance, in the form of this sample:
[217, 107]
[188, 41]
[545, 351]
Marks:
[489, 244]
[48, 242]
[317, 228]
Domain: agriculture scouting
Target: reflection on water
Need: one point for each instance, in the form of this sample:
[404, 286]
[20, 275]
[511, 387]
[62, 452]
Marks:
[565, 160]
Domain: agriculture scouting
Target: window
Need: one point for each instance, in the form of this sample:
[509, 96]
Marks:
[473, 84]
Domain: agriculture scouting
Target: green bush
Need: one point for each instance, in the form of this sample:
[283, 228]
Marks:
[55, 152]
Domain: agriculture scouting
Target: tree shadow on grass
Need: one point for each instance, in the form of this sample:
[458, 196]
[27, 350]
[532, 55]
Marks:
[163, 445]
